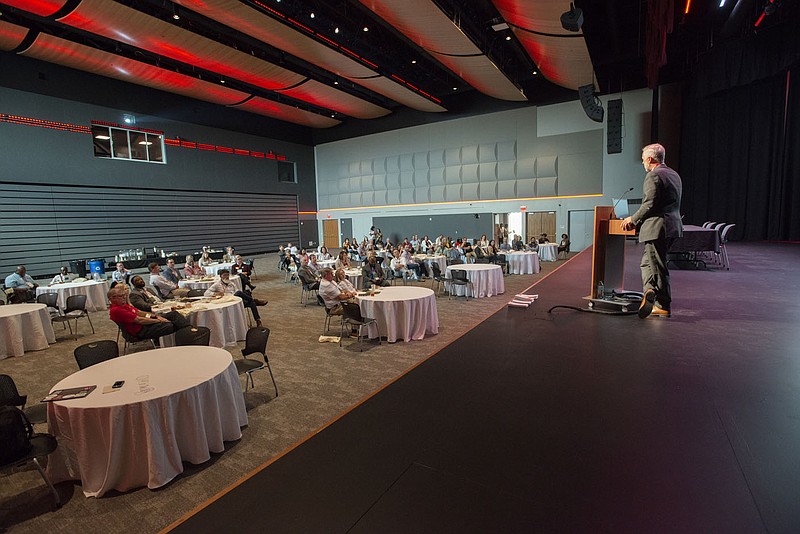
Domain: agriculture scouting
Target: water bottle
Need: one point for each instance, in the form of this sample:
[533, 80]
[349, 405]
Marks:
[601, 290]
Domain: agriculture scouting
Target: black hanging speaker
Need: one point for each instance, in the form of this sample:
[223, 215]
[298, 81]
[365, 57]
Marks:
[614, 127]
[591, 105]
[572, 20]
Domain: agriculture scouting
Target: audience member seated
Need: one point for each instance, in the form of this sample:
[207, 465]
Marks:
[307, 275]
[244, 270]
[343, 282]
[469, 253]
[224, 286]
[543, 239]
[517, 243]
[314, 265]
[491, 252]
[165, 288]
[205, 259]
[140, 324]
[563, 246]
[140, 296]
[331, 294]
[229, 256]
[412, 265]
[121, 275]
[324, 254]
[62, 277]
[398, 266]
[191, 269]
[373, 272]
[23, 285]
[343, 261]
[171, 273]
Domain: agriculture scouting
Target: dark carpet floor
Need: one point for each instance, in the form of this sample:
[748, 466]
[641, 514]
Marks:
[568, 422]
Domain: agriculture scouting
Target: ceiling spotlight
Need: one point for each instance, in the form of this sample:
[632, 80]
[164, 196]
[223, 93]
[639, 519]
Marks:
[508, 37]
[336, 30]
[455, 88]
[366, 29]
[336, 81]
[222, 81]
[312, 14]
[535, 72]
[572, 20]
[175, 14]
[413, 61]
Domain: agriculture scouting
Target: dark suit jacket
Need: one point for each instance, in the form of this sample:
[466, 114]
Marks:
[659, 216]
[139, 300]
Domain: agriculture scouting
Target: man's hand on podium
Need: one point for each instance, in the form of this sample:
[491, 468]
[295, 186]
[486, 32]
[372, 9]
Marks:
[627, 224]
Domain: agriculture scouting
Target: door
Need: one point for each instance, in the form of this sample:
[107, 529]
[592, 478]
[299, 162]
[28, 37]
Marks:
[541, 222]
[330, 234]
[580, 229]
[345, 230]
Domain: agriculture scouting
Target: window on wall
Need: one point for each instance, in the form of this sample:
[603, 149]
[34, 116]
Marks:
[286, 172]
[122, 143]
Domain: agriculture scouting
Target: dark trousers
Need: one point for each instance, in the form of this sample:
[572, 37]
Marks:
[655, 274]
[248, 302]
[154, 331]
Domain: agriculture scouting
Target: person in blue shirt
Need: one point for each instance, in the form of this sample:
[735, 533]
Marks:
[23, 285]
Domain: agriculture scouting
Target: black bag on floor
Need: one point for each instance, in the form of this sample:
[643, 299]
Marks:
[15, 434]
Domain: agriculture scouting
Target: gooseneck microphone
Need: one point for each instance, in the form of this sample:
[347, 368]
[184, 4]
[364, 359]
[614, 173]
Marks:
[614, 207]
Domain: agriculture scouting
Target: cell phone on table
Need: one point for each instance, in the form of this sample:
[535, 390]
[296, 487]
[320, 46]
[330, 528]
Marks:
[118, 384]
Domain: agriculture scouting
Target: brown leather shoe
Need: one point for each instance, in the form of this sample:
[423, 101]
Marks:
[260, 302]
[660, 312]
[646, 307]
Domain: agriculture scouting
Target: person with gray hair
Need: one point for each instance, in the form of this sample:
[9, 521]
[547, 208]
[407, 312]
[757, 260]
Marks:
[331, 294]
[659, 223]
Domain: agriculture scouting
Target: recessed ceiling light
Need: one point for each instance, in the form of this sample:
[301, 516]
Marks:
[222, 81]
[413, 61]
[104, 137]
[508, 37]
[366, 29]
[312, 14]
[455, 88]
[336, 30]
[535, 72]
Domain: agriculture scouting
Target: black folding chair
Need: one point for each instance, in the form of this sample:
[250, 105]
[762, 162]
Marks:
[255, 343]
[351, 316]
[96, 352]
[193, 335]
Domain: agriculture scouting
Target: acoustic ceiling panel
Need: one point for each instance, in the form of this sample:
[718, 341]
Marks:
[11, 35]
[247, 20]
[322, 95]
[562, 56]
[425, 24]
[280, 111]
[43, 8]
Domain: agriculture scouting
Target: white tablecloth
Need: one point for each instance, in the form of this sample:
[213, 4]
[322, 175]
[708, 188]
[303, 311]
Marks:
[214, 269]
[487, 280]
[206, 283]
[24, 327]
[326, 263]
[95, 292]
[402, 312]
[522, 262]
[426, 260]
[548, 251]
[176, 405]
[225, 318]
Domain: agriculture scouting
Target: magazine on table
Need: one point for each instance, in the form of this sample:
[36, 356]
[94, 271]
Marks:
[69, 393]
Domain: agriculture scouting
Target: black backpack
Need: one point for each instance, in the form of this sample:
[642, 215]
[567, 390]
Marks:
[15, 434]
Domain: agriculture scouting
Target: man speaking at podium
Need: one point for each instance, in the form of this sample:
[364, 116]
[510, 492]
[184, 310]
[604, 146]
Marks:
[659, 223]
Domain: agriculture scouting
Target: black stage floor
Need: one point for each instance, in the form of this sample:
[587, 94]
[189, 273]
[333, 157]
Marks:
[569, 422]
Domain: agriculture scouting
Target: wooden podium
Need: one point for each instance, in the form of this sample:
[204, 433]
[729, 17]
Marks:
[608, 253]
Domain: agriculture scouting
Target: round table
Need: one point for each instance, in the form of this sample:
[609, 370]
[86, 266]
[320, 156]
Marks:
[95, 291]
[176, 405]
[205, 283]
[487, 279]
[24, 327]
[405, 313]
[326, 263]
[522, 262]
[215, 268]
[225, 317]
[548, 251]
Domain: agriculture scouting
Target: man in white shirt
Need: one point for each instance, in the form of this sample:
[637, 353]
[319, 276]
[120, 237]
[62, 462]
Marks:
[165, 288]
[224, 286]
[331, 294]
